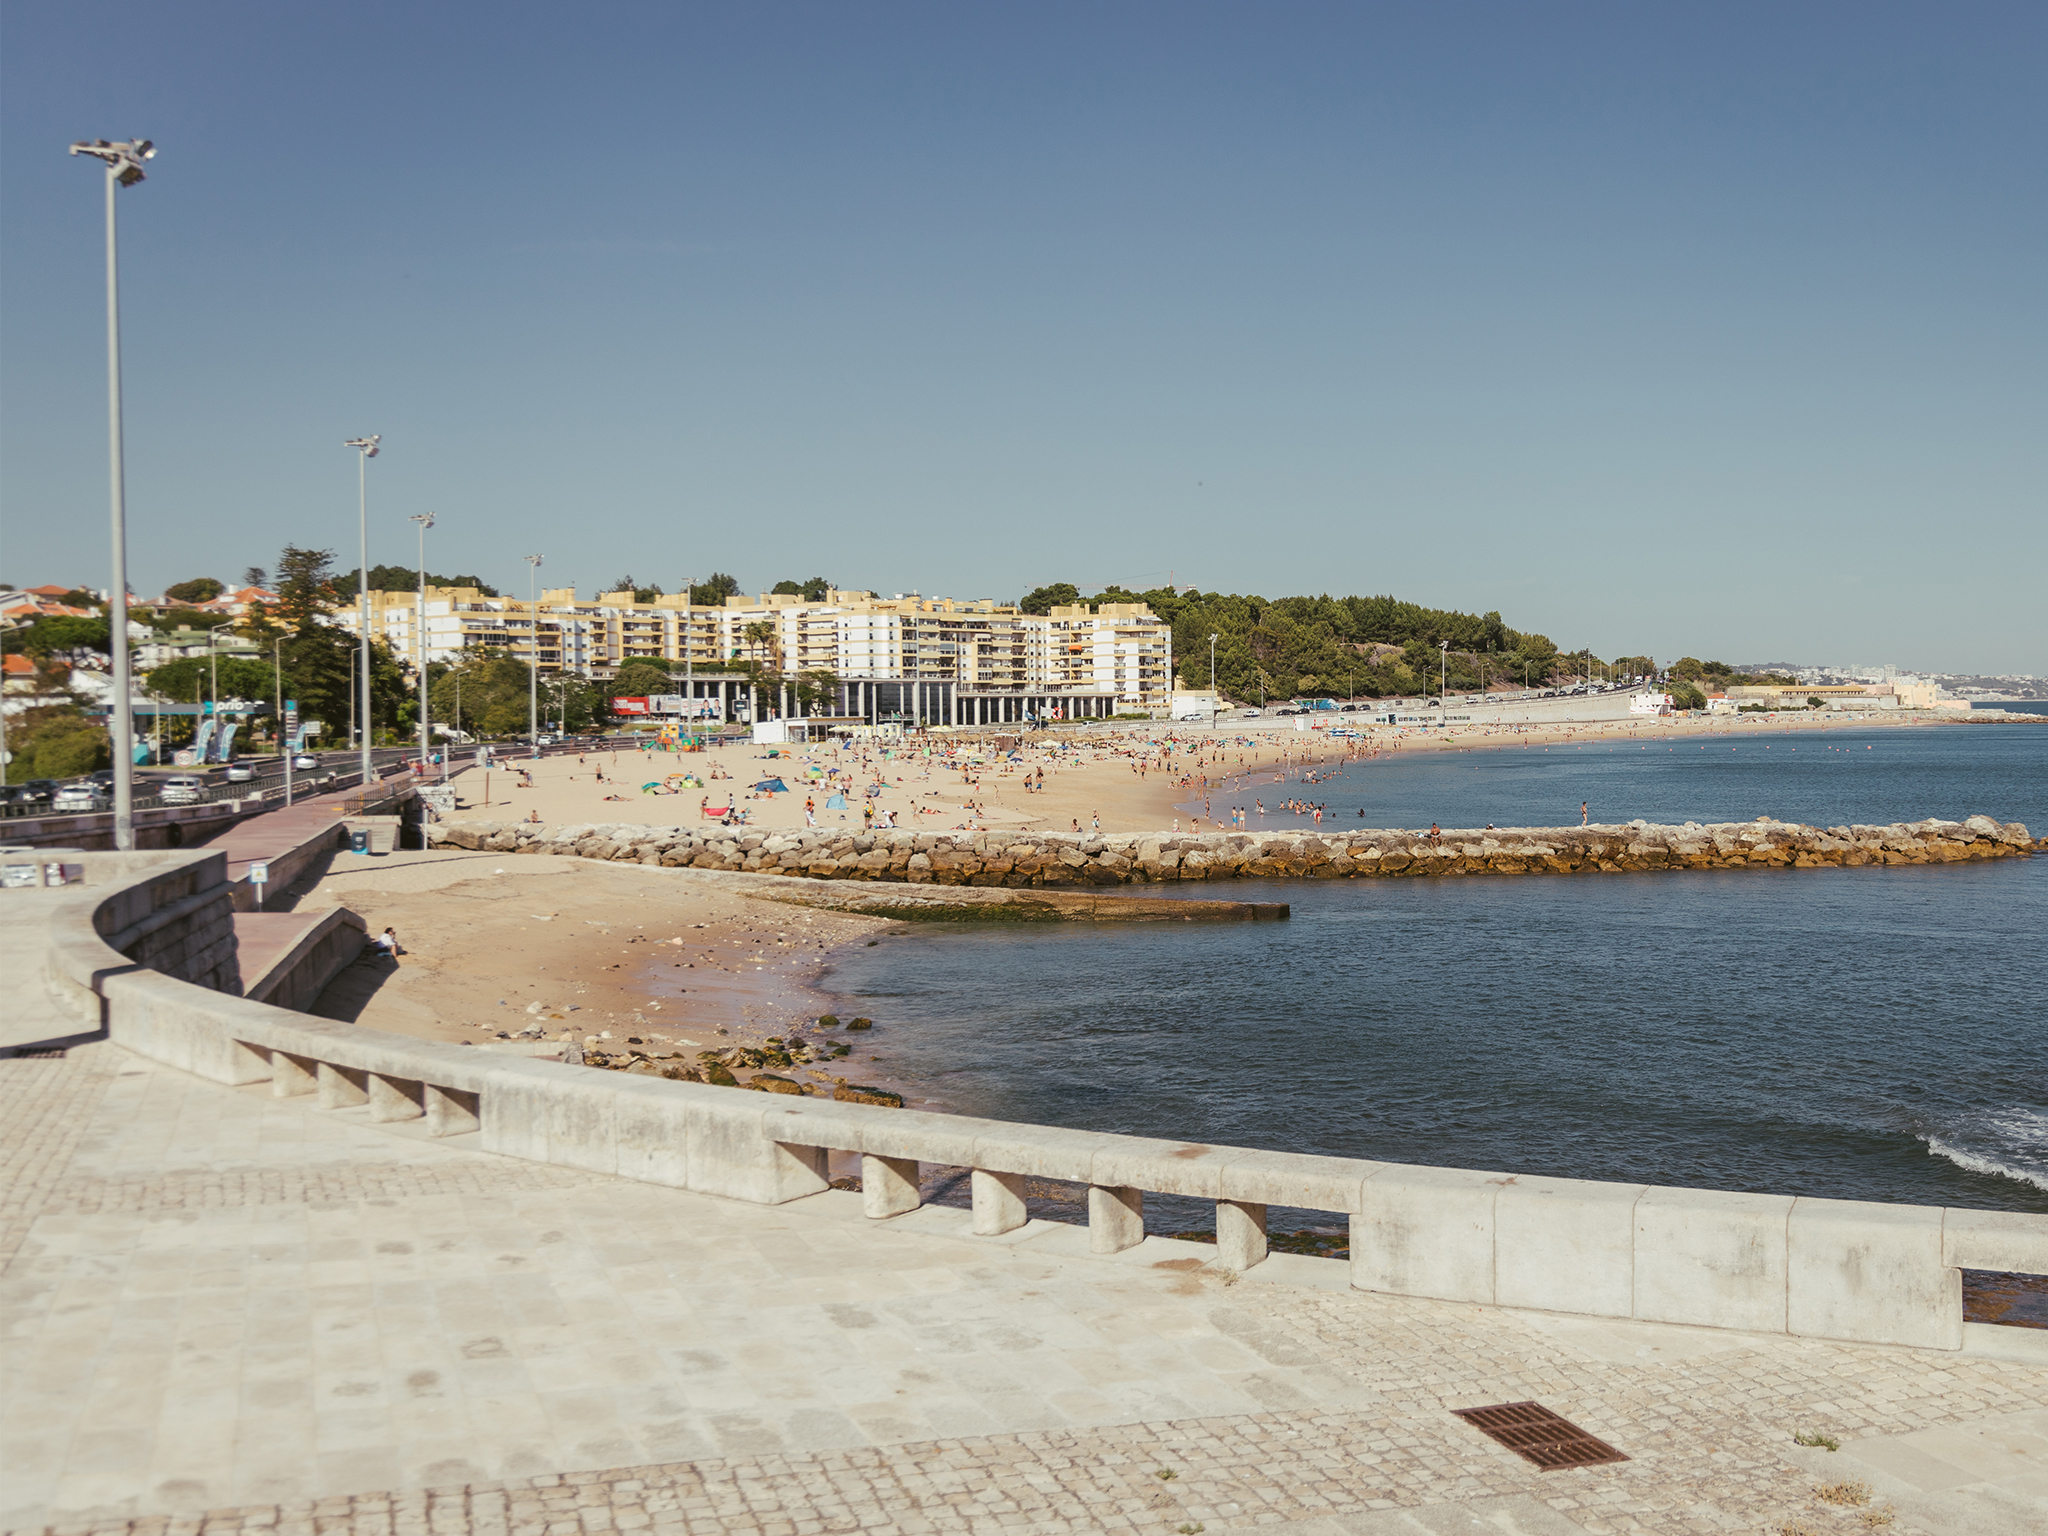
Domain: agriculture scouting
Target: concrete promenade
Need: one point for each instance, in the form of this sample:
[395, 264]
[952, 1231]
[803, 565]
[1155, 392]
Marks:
[226, 1310]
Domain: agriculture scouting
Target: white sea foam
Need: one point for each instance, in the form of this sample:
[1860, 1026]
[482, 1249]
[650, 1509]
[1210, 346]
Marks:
[2011, 1144]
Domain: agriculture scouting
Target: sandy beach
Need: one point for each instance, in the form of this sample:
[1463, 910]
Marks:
[529, 955]
[1144, 778]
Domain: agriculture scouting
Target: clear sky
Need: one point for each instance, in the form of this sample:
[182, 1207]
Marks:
[1712, 329]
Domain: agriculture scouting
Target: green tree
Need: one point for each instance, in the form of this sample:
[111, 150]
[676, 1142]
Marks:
[200, 589]
[1687, 696]
[1058, 594]
[714, 589]
[62, 745]
[403, 578]
[816, 590]
[490, 689]
[62, 635]
[305, 586]
[188, 679]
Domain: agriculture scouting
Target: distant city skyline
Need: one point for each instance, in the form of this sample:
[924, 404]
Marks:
[1654, 331]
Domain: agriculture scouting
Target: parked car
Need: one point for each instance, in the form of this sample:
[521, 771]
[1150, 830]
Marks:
[241, 773]
[305, 761]
[1253, 714]
[79, 795]
[181, 789]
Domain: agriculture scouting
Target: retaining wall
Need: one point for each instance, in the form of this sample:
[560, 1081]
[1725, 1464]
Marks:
[1038, 859]
[1764, 1263]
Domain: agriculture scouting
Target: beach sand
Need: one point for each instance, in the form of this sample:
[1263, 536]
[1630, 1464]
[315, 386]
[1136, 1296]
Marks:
[612, 956]
[1120, 780]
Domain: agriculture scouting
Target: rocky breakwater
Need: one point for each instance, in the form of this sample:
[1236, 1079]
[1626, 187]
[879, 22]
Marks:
[983, 859]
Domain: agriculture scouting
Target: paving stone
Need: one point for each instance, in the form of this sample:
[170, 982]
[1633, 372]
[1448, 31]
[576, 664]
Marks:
[229, 1312]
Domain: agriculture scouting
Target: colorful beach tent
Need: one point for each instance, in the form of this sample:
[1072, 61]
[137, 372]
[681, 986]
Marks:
[773, 786]
[835, 802]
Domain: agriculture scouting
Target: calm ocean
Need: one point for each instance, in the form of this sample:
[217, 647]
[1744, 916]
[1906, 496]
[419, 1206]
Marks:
[1871, 1034]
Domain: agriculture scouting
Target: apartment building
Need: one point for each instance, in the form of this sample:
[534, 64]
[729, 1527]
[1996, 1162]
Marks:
[932, 660]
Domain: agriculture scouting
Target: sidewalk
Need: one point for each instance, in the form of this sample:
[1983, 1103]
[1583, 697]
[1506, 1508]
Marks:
[222, 1301]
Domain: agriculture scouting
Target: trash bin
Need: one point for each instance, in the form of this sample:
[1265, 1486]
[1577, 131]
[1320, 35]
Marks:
[359, 840]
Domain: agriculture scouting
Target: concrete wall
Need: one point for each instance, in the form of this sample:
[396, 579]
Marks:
[1764, 1263]
[300, 954]
[158, 826]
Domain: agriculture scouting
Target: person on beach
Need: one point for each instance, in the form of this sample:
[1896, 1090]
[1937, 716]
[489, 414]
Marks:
[1582, 811]
[386, 945]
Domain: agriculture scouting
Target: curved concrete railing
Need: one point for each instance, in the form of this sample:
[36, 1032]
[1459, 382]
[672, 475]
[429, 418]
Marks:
[1764, 1263]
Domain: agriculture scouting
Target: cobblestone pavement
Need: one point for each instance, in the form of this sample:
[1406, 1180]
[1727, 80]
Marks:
[227, 1312]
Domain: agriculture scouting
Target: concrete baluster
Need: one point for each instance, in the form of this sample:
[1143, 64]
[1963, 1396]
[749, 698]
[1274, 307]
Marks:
[1240, 1233]
[888, 1185]
[341, 1087]
[451, 1112]
[292, 1075]
[998, 1202]
[395, 1098]
[1116, 1218]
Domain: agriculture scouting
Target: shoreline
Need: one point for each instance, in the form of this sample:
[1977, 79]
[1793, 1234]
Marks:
[599, 961]
[1117, 782]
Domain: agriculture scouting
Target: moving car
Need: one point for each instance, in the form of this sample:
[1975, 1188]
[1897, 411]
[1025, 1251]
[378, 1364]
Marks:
[38, 791]
[305, 761]
[79, 795]
[181, 789]
[240, 773]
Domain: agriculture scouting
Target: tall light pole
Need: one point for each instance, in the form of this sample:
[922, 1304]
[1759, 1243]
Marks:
[366, 450]
[277, 680]
[124, 169]
[1213, 700]
[1443, 687]
[533, 656]
[419, 631]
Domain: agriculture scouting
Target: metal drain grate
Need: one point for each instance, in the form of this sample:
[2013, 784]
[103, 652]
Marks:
[1531, 1430]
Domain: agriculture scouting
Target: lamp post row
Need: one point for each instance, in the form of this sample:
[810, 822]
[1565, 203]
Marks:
[124, 160]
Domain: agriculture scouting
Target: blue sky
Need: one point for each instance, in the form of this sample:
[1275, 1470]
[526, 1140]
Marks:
[1713, 330]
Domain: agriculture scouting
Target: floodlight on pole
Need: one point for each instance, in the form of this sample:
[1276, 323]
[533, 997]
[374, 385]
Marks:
[533, 657]
[419, 633]
[366, 450]
[123, 159]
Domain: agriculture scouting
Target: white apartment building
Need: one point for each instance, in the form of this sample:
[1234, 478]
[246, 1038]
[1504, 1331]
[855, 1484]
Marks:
[933, 660]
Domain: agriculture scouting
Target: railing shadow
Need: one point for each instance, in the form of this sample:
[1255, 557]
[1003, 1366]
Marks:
[346, 996]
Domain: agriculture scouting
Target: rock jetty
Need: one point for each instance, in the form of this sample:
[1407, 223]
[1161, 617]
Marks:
[1011, 859]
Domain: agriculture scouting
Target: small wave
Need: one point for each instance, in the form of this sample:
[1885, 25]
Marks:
[2018, 1146]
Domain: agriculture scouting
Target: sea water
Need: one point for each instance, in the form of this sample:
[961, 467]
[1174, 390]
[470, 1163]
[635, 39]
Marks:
[1870, 1034]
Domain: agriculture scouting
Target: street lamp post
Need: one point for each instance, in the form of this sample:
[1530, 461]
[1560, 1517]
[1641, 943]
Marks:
[1443, 687]
[124, 169]
[419, 631]
[1214, 701]
[533, 657]
[366, 448]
